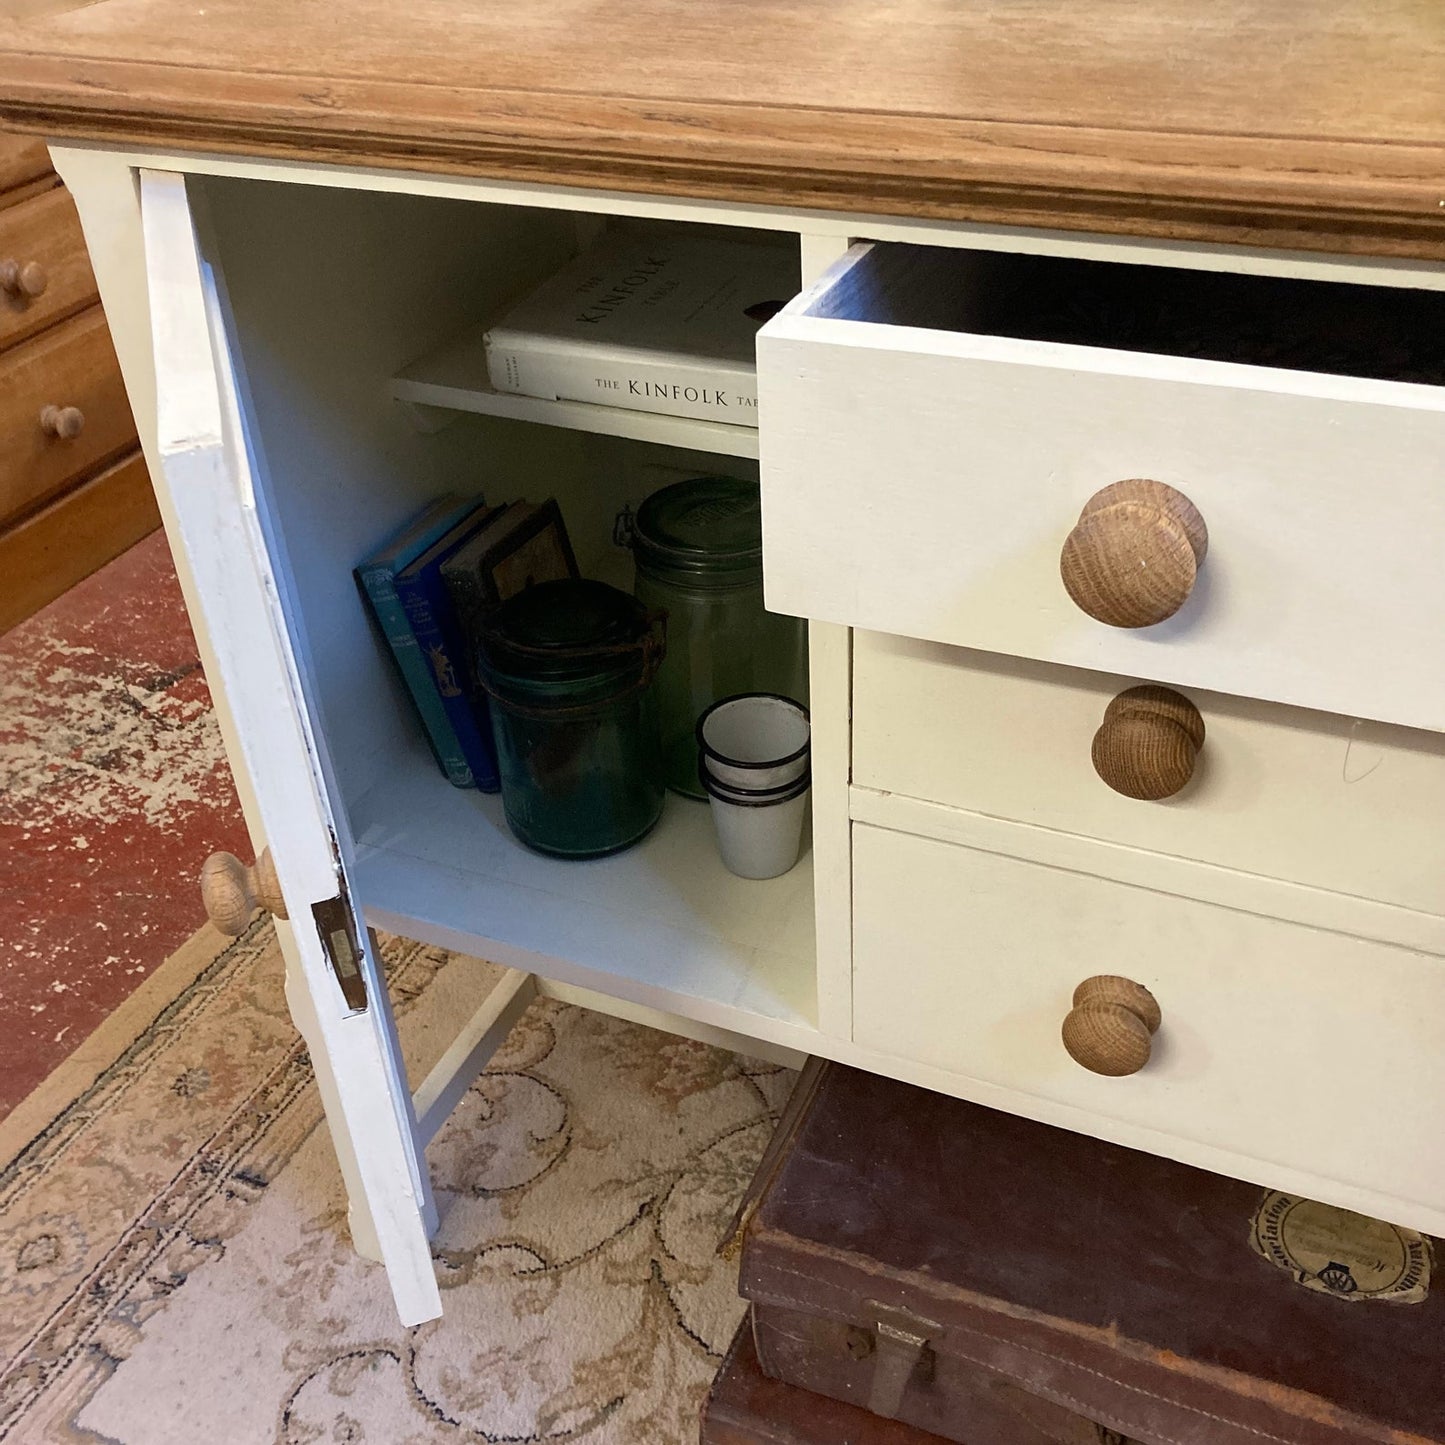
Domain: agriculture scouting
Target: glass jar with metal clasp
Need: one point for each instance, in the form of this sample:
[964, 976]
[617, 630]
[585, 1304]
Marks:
[698, 548]
[571, 667]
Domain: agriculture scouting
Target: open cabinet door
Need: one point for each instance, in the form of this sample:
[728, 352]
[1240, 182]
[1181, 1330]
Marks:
[334, 984]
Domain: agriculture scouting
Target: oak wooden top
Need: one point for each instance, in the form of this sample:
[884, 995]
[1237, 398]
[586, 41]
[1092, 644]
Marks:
[1292, 122]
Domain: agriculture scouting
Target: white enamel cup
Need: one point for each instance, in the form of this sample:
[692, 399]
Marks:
[755, 742]
[759, 835]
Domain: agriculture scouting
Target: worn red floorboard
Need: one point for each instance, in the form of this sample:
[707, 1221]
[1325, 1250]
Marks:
[113, 788]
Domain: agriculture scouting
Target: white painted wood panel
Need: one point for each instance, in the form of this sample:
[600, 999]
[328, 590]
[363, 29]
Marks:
[104, 188]
[830, 693]
[662, 924]
[1287, 1046]
[922, 483]
[1161, 872]
[1334, 802]
[206, 469]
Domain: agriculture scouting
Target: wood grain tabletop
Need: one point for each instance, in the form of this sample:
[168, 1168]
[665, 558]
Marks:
[1315, 123]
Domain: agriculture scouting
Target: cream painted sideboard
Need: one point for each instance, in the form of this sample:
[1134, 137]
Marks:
[300, 342]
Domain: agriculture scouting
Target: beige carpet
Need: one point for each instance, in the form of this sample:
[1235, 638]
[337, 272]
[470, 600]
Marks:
[174, 1265]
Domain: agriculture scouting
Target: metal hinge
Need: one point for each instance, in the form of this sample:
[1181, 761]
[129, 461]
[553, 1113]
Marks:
[336, 923]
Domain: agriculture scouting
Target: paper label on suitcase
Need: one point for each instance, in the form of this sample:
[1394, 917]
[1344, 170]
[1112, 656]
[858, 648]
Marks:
[1337, 1252]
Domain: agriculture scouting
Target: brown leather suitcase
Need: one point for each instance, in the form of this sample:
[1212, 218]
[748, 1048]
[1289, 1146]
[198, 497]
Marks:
[937, 1262]
[745, 1407]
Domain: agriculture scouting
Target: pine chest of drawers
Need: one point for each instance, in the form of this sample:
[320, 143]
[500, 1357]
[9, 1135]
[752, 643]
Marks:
[73, 485]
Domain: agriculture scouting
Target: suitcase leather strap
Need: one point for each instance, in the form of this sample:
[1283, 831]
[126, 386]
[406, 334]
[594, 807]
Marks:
[901, 1344]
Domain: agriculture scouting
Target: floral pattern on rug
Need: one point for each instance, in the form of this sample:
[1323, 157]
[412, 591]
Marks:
[174, 1263]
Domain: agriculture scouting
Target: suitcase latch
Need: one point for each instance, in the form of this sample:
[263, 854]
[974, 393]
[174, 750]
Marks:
[902, 1354]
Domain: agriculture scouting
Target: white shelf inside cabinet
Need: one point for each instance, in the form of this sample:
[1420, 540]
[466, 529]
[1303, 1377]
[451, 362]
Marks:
[454, 378]
[663, 924]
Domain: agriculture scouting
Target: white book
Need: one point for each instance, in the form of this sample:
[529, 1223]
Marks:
[666, 325]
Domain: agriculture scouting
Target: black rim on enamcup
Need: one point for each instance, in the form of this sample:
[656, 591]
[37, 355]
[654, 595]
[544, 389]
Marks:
[755, 742]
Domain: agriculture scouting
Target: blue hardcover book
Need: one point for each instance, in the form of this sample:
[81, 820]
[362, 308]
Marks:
[423, 594]
[377, 575]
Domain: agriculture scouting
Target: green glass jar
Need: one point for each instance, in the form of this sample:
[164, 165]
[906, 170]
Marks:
[570, 667]
[698, 546]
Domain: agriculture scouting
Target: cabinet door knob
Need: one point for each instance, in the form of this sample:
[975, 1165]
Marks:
[233, 891]
[1111, 1027]
[1132, 558]
[23, 278]
[1147, 744]
[63, 422]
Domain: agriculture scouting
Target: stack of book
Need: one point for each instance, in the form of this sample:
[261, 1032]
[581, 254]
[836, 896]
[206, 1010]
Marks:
[431, 586]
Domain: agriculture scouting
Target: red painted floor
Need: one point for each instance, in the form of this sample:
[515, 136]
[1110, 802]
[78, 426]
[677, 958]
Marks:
[113, 789]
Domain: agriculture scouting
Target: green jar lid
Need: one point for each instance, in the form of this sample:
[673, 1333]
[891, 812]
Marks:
[574, 631]
[704, 526]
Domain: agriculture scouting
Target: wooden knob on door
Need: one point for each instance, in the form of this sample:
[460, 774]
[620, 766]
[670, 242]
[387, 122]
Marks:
[1111, 1027]
[1132, 558]
[232, 891]
[63, 422]
[1148, 743]
[23, 278]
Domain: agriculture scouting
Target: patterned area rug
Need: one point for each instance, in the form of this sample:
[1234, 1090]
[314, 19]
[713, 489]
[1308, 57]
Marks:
[113, 788]
[174, 1264]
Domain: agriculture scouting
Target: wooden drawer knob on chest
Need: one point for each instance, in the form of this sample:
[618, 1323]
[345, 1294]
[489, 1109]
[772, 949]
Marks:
[24, 280]
[232, 891]
[65, 423]
[1132, 558]
[1147, 745]
[1110, 1029]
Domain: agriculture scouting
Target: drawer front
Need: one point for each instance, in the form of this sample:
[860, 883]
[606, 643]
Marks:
[68, 539]
[923, 483]
[1332, 802]
[23, 158]
[42, 238]
[1298, 1048]
[73, 367]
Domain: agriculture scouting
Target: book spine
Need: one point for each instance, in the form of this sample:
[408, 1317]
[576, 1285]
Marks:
[379, 583]
[670, 385]
[424, 600]
[469, 602]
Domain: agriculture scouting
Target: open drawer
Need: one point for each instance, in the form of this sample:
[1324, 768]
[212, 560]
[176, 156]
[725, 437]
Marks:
[935, 421]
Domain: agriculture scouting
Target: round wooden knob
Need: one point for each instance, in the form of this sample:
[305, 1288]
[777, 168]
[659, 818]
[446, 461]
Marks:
[1147, 744]
[23, 278]
[63, 422]
[1111, 1026]
[232, 891]
[1132, 559]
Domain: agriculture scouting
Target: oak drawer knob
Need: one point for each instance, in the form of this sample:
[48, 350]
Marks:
[65, 423]
[232, 891]
[26, 279]
[1111, 1027]
[1148, 743]
[1132, 558]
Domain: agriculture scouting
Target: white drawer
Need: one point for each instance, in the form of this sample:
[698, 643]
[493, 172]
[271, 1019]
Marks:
[1332, 802]
[928, 445]
[1304, 1051]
